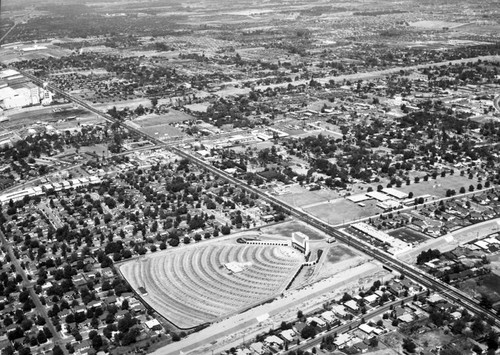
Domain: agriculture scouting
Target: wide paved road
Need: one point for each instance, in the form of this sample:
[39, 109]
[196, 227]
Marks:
[388, 260]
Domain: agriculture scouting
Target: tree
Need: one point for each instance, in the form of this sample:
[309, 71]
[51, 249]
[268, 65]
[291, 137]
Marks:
[94, 323]
[458, 326]
[492, 341]
[125, 323]
[308, 332]
[173, 242]
[485, 302]
[451, 351]
[285, 326]
[125, 304]
[56, 350]
[41, 337]
[97, 342]
[47, 332]
[409, 345]
[428, 255]
[26, 324]
[9, 350]
[477, 327]
[130, 336]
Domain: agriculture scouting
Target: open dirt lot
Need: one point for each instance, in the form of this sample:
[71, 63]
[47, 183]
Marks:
[339, 252]
[408, 235]
[340, 211]
[287, 228]
[434, 25]
[301, 197]
[171, 117]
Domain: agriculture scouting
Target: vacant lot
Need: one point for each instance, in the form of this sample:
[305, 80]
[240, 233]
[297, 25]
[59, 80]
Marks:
[488, 285]
[286, 229]
[409, 235]
[491, 283]
[341, 211]
[164, 131]
[170, 117]
[434, 25]
[339, 252]
[301, 197]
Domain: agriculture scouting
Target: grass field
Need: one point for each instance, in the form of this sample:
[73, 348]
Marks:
[439, 186]
[488, 285]
[492, 283]
[162, 131]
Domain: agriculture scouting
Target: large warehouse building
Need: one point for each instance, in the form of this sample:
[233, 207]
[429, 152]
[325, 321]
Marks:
[17, 91]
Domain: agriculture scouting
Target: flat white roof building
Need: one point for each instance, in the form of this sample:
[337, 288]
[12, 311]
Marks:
[395, 193]
[358, 198]
[378, 196]
[352, 305]
[366, 328]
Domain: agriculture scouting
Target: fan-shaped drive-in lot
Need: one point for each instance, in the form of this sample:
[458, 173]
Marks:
[192, 286]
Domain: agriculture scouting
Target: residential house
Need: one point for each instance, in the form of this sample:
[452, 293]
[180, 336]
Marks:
[257, 348]
[288, 335]
[352, 305]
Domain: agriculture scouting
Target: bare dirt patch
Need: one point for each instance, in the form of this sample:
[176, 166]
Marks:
[287, 228]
